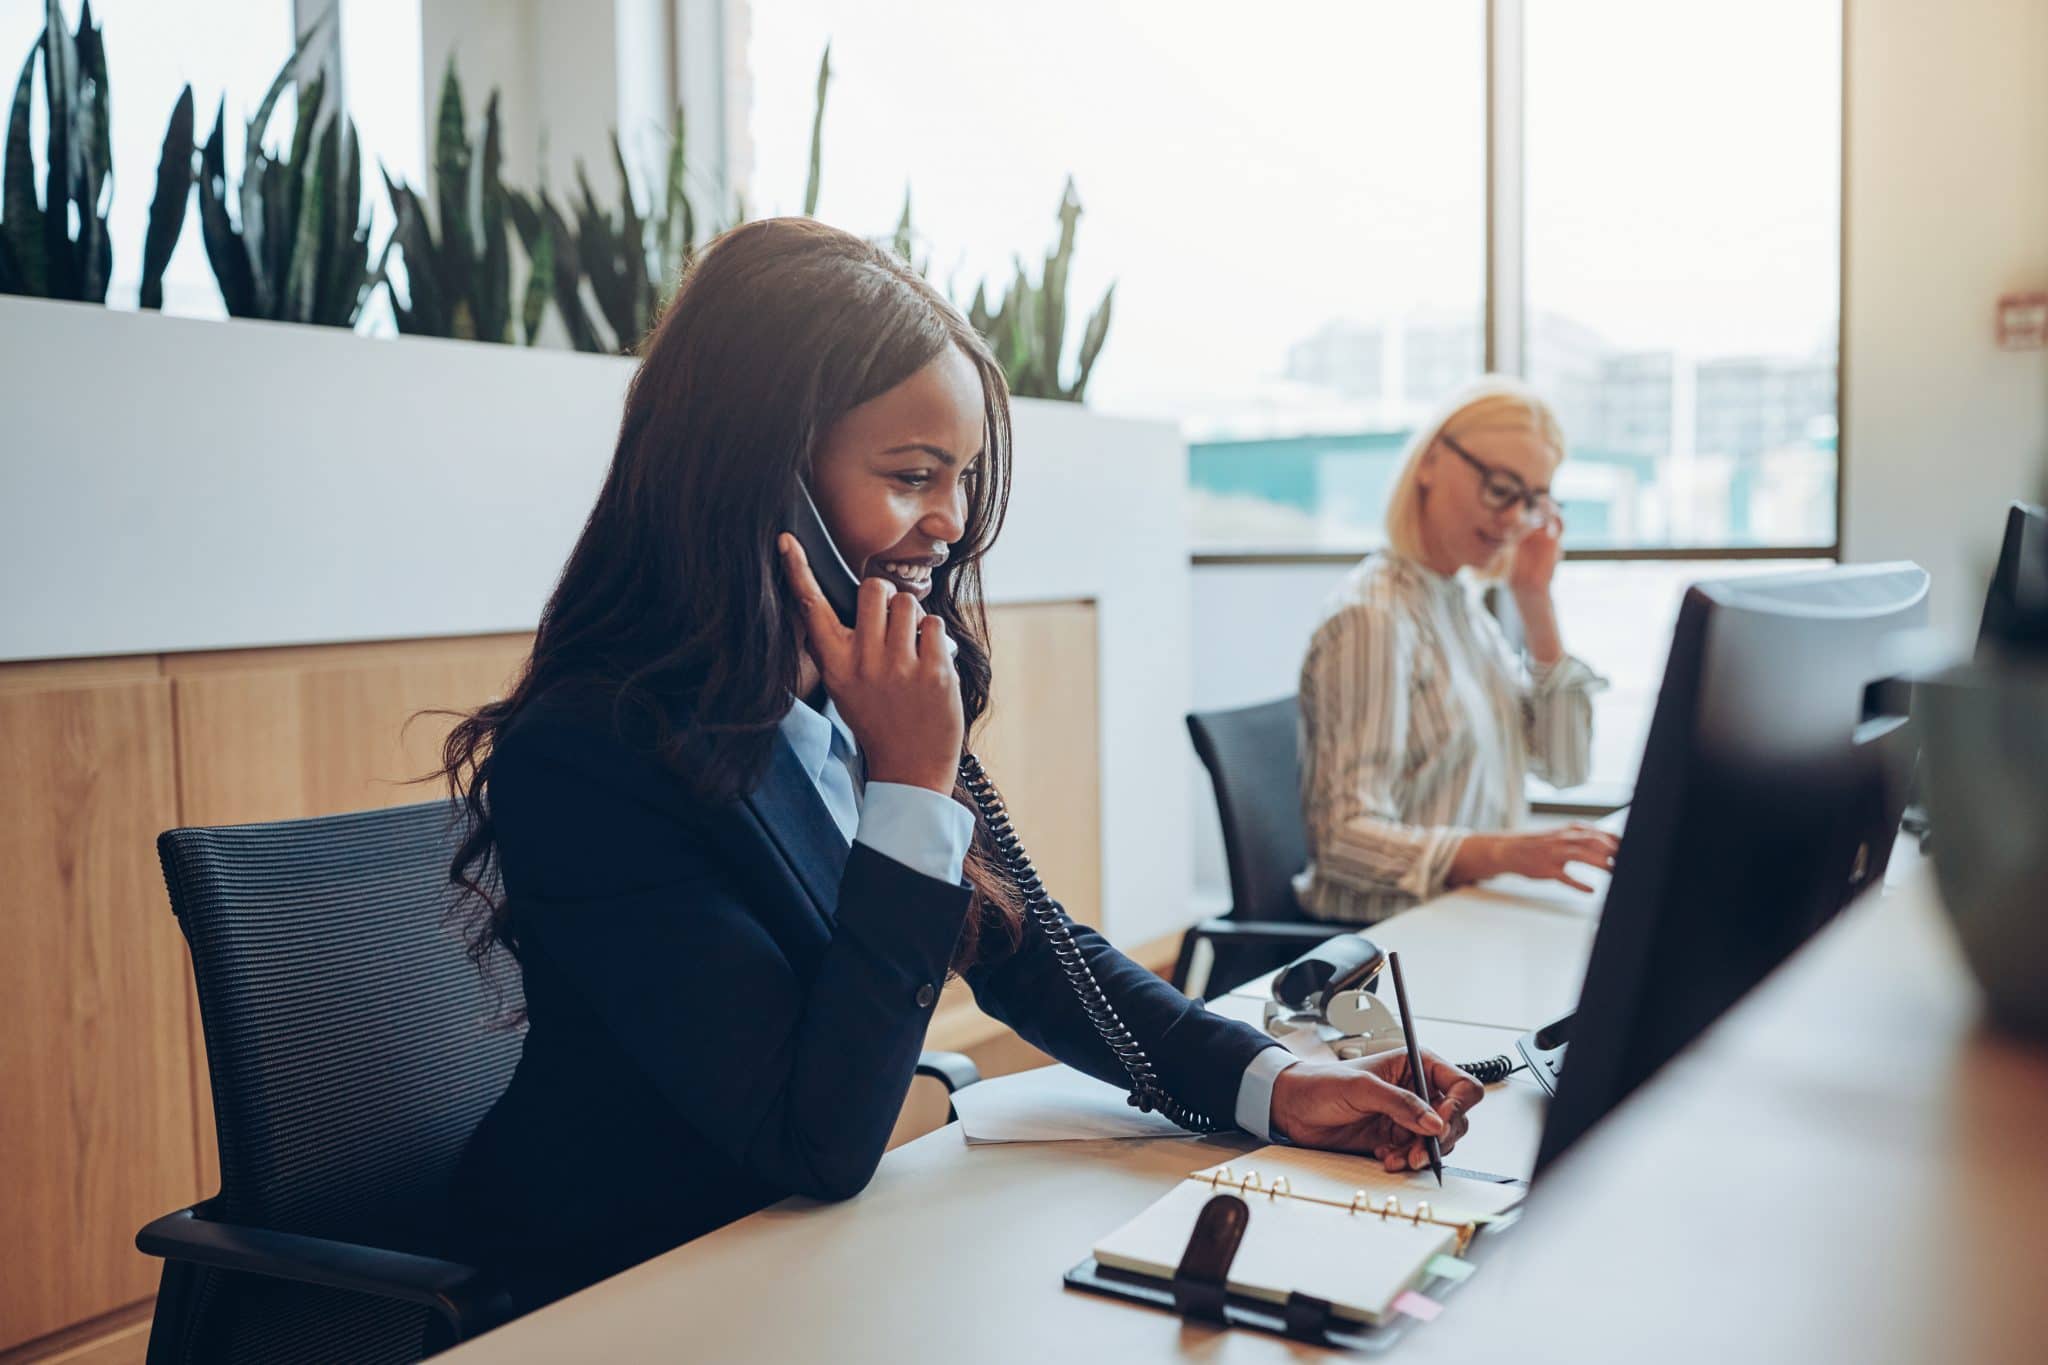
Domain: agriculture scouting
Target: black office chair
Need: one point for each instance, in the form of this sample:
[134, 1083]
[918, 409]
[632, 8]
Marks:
[353, 1047]
[1255, 768]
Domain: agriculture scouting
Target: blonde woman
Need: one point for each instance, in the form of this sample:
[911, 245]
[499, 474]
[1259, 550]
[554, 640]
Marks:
[1419, 721]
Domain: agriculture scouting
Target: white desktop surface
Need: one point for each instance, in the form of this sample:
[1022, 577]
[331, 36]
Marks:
[1483, 956]
[1845, 1168]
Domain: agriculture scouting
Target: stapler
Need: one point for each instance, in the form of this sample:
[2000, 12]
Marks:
[1333, 989]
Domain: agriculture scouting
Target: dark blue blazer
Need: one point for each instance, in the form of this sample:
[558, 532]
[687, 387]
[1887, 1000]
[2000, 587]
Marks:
[725, 1006]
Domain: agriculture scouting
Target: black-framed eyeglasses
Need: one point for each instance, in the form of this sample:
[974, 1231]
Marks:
[1500, 489]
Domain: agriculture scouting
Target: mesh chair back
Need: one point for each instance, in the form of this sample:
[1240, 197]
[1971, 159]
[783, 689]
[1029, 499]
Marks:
[352, 1046]
[1253, 761]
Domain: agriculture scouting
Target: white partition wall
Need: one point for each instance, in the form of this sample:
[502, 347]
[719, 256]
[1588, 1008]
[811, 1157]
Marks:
[171, 484]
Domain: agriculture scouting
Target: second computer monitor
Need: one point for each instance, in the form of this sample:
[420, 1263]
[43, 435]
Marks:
[1769, 795]
[2017, 599]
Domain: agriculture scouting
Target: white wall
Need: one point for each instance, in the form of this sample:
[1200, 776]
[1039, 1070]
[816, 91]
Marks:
[255, 483]
[1251, 629]
[1946, 208]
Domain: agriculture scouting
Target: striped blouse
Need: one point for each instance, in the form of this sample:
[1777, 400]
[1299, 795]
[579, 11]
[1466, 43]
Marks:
[1418, 725]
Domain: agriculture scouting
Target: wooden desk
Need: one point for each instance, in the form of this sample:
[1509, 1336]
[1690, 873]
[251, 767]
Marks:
[1846, 1168]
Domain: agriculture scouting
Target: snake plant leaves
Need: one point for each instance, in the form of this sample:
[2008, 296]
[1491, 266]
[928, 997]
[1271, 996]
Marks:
[458, 262]
[1053, 284]
[903, 241]
[300, 250]
[1091, 345]
[676, 225]
[817, 135]
[174, 178]
[422, 312]
[38, 252]
[65, 151]
[21, 217]
[544, 233]
[1026, 329]
[452, 165]
[614, 257]
[92, 157]
[493, 282]
[540, 275]
[231, 268]
[261, 200]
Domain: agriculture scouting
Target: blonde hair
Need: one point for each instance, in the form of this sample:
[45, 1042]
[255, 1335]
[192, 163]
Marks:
[1493, 402]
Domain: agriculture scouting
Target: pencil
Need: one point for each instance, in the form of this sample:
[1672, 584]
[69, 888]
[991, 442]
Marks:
[1416, 1075]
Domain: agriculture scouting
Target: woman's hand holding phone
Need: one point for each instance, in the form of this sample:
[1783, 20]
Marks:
[891, 675]
[1535, 558]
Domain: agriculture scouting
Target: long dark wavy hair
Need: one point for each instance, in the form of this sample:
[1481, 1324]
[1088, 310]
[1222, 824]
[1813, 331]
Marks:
[672, 610]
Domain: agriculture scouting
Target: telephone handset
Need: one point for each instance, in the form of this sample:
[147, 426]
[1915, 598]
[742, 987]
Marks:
[836, 578]
[841, 586]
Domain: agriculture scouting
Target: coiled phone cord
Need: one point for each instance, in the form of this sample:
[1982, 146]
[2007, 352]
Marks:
[1493, 1070]
[1146, 1092]
[1046, 913]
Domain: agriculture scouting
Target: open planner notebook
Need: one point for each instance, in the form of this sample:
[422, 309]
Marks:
[1321, 1224]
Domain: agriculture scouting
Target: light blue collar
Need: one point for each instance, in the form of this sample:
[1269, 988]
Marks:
[816, 738]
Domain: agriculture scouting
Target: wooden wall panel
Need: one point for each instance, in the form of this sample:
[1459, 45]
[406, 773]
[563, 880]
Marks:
[281, 734]
[1040, 744]
[96, 1101]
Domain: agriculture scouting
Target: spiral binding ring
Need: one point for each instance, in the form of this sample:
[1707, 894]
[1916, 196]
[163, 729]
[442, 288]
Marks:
[1146, 1092]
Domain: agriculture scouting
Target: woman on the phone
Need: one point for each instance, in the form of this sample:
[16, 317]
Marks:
[737, 866]
[1418, 721]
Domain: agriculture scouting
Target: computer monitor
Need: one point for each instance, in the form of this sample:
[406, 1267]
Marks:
[1769, 795]
[2019, 586]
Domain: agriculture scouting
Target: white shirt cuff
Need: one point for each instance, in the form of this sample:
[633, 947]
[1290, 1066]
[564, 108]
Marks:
[1255, 1091]
[1569, 671]
[924, 830]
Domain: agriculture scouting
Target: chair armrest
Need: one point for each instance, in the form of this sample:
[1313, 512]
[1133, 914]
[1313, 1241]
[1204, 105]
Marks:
[468, 1299]
[954, 1070]
[1300, 935]
[1308, 934]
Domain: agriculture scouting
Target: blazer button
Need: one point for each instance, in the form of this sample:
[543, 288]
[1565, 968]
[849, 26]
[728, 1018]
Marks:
[925, 996]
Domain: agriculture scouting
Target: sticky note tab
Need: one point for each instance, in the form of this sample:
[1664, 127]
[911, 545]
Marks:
[1418, 1306]
[1451, 1268]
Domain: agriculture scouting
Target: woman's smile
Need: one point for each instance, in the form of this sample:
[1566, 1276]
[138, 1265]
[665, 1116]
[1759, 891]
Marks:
[913, 576]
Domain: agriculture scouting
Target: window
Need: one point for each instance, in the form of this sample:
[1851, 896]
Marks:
[1682, 300]
[1291, 205]
[1683, 249]
[1619, 617]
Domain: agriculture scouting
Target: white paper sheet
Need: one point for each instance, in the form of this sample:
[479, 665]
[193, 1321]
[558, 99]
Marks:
[1053, 1104]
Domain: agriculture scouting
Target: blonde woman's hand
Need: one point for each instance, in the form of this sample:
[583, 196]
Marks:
[891, 676]
[1545, 854]
[1533, 559]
